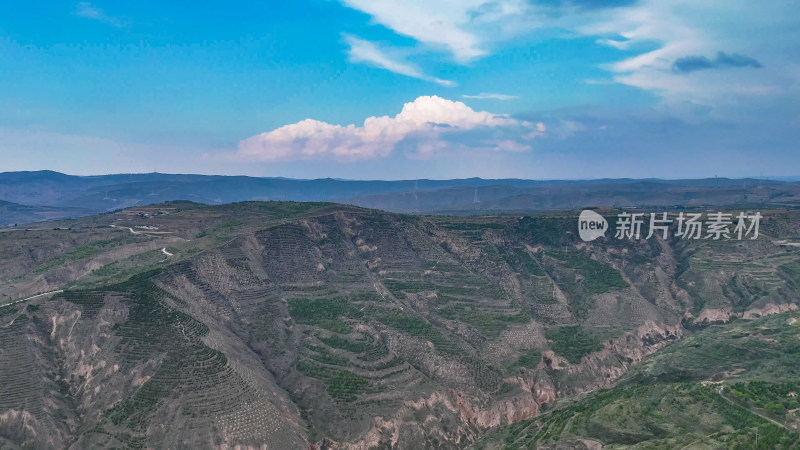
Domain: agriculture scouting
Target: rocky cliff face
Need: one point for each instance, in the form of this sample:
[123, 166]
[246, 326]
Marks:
[294, 325]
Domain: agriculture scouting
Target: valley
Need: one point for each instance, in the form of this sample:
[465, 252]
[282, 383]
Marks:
[319, 325]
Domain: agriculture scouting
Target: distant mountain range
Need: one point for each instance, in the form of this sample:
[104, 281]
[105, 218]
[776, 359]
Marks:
[14, 213]
[47, 195]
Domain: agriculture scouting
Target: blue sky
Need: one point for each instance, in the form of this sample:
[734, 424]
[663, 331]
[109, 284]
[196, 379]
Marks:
[371, 89]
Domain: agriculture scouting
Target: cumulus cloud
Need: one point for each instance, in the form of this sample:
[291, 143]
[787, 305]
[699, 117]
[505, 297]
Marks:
[426, 125]
[722, 61]
[491, 96]
[370, 53]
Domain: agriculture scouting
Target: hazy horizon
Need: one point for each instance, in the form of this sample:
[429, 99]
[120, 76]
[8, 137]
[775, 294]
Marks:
[788, 178]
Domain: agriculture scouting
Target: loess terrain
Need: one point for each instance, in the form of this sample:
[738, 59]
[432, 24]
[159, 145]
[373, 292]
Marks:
[317, 325]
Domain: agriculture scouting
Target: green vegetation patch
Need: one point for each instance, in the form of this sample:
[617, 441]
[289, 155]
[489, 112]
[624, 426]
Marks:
[598, 278]
[549, 231]
[523, 260]
[352, 346]
[791, 273]
[529, 359]
[403, 321]
[653, 416]
[487, 323]
[325, 356]
[574, 342]
[107, 270]
[118, 271]
[323, 313]
[228, 225]
[777, 398]
[342, 385]
[155, 331]
[412, 324]
[82, 252]
[286, 210]
[766, 347]
[398, 287]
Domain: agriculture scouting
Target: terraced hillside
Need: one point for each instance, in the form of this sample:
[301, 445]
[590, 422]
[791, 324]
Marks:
[732, 386]
[310, 324]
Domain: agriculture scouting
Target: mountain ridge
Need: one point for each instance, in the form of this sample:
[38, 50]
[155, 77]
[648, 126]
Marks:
[84, 195]
[341, 326]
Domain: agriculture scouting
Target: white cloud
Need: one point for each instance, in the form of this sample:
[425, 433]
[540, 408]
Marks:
[88, 11]
[460, 27]
[491, 96]
[767, 32]
[369, 52]
[425, 125]
[538, 130]
[440, 23]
